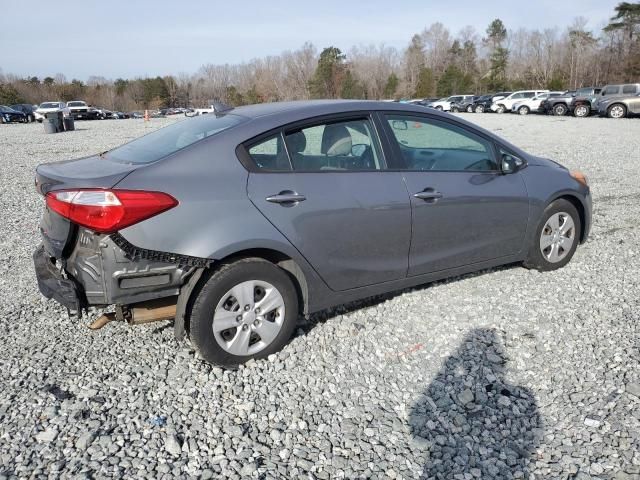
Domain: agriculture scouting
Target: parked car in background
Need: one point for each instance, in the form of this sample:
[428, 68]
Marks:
[9, 115]
[121, 115]
[504, 104]
[239, 247]
[566, 103]
[483, 104]
[609, 92]
[444, 104]
[81, 111]
[524, 107]
[26, 108]
[48, 107]
[465, 105]
[620, 107]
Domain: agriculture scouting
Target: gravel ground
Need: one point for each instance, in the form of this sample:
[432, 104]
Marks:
[507, 373]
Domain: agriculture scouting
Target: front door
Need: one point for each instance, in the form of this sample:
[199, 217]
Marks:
[465, 211]
[329, 195]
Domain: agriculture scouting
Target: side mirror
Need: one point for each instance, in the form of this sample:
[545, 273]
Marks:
[399, 125]
[511, 164]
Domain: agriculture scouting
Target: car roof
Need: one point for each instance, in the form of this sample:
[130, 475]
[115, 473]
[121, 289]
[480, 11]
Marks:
[313, 108]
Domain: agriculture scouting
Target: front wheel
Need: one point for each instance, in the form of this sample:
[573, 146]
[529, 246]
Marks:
[246, 309]
[501, 109]
[581, 111]
[479, 109]
[556, 238]
[560, 110]
[616, 111]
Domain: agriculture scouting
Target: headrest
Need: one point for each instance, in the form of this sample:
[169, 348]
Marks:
[336, 140]
[297, 142]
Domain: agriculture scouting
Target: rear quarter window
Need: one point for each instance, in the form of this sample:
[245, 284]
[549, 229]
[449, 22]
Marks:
[629, 89]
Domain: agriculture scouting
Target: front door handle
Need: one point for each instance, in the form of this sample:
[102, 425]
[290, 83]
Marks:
[428, 194]
[286, 197]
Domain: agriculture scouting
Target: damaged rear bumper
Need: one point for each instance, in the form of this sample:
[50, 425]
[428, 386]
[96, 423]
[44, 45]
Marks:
[53, 285]
[101, 270]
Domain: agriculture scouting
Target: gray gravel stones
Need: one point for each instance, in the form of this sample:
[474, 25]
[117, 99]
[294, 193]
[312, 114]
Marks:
[492, 375]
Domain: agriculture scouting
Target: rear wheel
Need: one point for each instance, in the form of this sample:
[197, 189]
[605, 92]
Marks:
[479, 109]
[560, 109]
[439, 107]
[556, 238]
[581, 111]
[501, 109]
[455, 109]
[524, 110]
[247, 309]
[469, 109]
[617, 111]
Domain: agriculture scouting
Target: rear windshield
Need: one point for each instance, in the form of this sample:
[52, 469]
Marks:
[49, 105]
[168, 140]
[76, 104]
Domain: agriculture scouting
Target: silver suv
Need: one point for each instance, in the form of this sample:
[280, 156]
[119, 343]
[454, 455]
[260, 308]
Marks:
[615, 91]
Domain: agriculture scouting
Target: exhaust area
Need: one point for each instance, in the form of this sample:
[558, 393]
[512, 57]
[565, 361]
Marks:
[139, 313]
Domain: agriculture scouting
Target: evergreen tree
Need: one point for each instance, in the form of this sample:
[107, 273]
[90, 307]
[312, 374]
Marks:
[392, 85]
[496, 35]
[426, 83]
[327, 79]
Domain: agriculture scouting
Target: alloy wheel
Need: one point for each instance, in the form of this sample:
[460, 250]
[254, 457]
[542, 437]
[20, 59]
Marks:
[581, 111]
[479, 109]
[617, 111]
[557, 237]
[248, 317]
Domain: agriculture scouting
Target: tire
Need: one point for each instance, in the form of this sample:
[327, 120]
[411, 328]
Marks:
[216, 297]
[439, 107]
[469, 109]
[559, 252]
[524, 110]
[581, 111]
[501, 109]
[560, 109]
[455, 110]
[479, 109]
[617, 110]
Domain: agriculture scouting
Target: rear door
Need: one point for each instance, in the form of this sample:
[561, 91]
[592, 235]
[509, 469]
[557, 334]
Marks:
[465, 210]
[324, 186]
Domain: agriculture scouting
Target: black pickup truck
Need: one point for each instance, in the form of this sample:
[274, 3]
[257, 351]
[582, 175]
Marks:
[566, 103]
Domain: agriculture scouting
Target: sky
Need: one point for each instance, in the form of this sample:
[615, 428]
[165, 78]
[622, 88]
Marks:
[132, 38]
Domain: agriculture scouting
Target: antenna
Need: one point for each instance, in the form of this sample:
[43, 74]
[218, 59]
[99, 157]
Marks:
[219, 107]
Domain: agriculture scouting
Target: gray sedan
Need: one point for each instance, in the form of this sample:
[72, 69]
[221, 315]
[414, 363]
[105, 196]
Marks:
[238, 222]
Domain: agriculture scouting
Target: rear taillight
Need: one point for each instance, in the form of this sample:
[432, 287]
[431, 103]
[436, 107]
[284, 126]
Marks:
[107, 211]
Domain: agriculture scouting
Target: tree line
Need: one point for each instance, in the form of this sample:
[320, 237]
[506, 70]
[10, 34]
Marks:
[435, 63]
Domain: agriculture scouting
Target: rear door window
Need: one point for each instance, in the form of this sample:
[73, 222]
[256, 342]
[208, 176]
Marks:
[612, 90]
[270, 154]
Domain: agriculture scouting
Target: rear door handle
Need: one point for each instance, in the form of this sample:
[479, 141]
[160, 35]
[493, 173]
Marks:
[428, 194]
[286, 197]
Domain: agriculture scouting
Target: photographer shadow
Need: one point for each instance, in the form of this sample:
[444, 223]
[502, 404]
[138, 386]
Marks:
[472, 421]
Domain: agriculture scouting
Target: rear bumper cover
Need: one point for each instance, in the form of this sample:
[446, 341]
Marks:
[52, 284]
[98, 272]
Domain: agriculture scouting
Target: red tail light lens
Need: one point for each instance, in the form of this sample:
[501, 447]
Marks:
[107, 211]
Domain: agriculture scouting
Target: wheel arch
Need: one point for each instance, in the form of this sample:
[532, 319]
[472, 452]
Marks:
[620, 104]
[580, 207]
[190, 290]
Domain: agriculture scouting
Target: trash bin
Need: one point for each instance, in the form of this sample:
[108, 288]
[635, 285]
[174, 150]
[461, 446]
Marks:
[53, 122]
[69, 126]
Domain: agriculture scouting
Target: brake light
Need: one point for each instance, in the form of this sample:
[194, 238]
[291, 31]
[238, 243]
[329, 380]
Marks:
[107, 211]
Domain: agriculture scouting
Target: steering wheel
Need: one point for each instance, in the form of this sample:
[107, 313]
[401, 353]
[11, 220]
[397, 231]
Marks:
[483, 164]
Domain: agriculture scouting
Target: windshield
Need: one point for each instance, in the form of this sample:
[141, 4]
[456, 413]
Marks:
[4, 108]
[168, 140]
[76, 104]
[50, 105]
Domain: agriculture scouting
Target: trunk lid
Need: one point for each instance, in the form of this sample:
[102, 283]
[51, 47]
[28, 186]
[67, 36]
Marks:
[57, 232]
